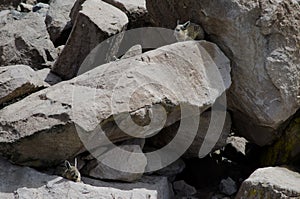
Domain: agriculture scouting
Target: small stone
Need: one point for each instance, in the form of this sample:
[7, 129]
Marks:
[228, 186]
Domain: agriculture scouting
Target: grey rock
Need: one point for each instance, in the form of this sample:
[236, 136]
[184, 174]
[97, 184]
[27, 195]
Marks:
[135, 10]
[167, 134]
[173, 169]
[59, 49]
[17, 81]
[26, 41]
[75, 10]
[133, 51]
[135, 141]
[25, 7]
[271, 182]
[286, 149]
[58, 21]
[4, 17]
[41, 8]
[46, 75]
[47, 119]
[27, 183]
[155, 183]
[239, 143]
[256, 36]
[123, 170]
[17, 15]
[77, 190]
[95, 23]
[9, 4]
[228, 186]
[15, 177]
[184, 189]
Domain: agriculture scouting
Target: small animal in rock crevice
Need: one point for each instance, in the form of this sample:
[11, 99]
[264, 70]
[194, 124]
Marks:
[188, 31]
[72, 172]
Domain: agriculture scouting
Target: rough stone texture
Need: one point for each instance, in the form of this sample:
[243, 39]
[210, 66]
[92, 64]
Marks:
[156, 183]
[287, 149]
[9, 4]
[183, 189]
[271, 182]
[75, 10]
[46, 75]
[58, 21]
[228, 186]
[97, 169]
[95, 22]
[17, 81]
[238, 143]
[167, 134]
[41, 8]
[47, 119]
[133, 51]
[27, 183]
[71, 189]
[135, 10]
[26, 41]
[262, 40]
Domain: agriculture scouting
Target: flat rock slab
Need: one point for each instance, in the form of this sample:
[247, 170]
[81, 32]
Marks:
[101, 102]
[96, 22]
[155, 183]
[77, 190]
[271, 182]
[262, 40]
[27, 183]
[26, 41]
[17, 81]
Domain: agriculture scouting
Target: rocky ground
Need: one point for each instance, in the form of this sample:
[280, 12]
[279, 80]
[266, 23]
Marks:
[106, 83]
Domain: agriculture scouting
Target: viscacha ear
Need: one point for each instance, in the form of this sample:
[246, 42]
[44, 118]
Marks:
[177, 21]
[67, 164]
[186, 24]
[75, 162]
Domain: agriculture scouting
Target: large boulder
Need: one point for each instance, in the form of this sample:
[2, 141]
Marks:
[18, 81]
[271, 182]
[26, 41]
[135, 10]
[24, 182]
[94, 23]
[168, 133]
[262, 40]
[102, 102]
[58, 21]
